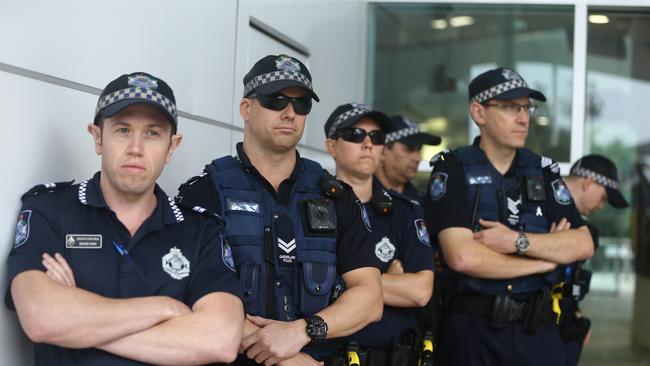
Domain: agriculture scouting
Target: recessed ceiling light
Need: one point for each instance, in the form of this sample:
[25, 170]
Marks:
[439, 24]
[461, 21]
[598, 19]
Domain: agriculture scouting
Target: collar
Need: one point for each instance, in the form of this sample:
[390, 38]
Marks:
[512, 170]
[89, 193]
[249, 167]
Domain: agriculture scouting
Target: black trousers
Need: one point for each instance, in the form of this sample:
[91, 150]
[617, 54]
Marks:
[468, 340]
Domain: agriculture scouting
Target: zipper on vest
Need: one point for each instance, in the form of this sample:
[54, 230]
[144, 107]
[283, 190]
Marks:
[269, 291]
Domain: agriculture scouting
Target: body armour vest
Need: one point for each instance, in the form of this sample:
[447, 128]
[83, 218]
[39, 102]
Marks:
[488, 199]
[270, 289]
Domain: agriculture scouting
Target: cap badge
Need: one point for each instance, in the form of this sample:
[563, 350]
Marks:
[143, 81]
[285, 63]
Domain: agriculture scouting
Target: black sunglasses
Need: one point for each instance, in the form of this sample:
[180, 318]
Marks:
[357, 135]
[278, 102]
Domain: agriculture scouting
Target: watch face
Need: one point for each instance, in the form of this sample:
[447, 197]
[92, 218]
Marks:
[316, 328]
[522, 244]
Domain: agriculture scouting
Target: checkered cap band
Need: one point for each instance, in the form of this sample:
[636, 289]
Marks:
[356, 111]
[400, 134]
[499, 89]
[598, 178]
[276, 76]
[137, 93]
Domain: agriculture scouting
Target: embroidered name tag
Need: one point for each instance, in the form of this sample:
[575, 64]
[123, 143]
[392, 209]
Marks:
[83, 241]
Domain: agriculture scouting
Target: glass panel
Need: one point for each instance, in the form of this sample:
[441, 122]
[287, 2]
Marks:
[618, 76]
[422, 57]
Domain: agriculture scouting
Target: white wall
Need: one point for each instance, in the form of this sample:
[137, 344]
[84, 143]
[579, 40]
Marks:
[201, 48]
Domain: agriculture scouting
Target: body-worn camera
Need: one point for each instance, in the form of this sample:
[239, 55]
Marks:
[320, 215]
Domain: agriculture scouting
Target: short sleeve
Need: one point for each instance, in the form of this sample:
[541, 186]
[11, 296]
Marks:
[446, 200]
[415, 250]
[36, 234]
[560, 202]
[214, 270]
[353, 238]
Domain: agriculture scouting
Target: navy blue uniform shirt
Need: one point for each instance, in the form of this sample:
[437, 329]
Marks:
[451, 209]
[174, 253]
[399, 235]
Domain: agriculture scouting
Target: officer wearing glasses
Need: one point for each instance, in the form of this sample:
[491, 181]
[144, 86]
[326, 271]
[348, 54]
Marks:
[355, 140]
[500, 214]
[296, 234]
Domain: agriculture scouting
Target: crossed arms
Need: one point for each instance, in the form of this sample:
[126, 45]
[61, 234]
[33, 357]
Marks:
[490, 253]
[153, 329]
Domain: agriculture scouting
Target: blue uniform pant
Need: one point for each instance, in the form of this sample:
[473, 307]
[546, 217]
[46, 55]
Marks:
[467, 340]
[572, 352]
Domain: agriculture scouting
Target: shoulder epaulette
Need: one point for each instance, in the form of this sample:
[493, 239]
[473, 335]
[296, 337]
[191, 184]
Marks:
[548, 163]
[201, 211]
[332, 187]
[193, 180]
[439, 156]
[47, 187]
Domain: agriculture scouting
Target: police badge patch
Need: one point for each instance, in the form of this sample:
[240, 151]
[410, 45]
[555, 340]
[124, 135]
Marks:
[364, 216]
[385, 250]
[438, 186]
[285, 63]
[142, 81]
[175, 264]
[226, 255]
[561, 192]
[423, 233]
[22, 228]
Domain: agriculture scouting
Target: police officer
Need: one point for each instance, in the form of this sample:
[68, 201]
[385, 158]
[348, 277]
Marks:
[110, 271]
[593, 179]
[401, 157]
[293, 228]
[355, 140]
[490, 206]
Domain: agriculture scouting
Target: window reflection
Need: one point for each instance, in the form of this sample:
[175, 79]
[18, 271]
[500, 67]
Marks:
[422, 57]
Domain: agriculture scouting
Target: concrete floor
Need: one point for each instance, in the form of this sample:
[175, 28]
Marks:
[611, 341]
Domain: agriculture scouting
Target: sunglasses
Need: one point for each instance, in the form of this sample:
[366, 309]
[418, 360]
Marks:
[357, 135]
[278, 102]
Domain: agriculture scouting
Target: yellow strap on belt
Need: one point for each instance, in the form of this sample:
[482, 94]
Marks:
[353, 359]
[427, 345]
[556, 296]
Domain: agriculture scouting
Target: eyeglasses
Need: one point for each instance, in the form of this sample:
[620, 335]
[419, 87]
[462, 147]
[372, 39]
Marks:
[278, 102]
[513, 109]
[357, 135]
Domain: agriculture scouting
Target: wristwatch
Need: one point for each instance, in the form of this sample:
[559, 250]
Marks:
[522, 243]
[316, 328]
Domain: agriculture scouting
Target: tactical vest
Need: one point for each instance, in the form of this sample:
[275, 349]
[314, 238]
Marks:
[487, 199]
[270, 289]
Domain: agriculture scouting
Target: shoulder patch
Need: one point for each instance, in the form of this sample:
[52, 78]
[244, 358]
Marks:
[423, 233]
[545, 161]
[561, 192]
[438, 186]
[22, 228]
